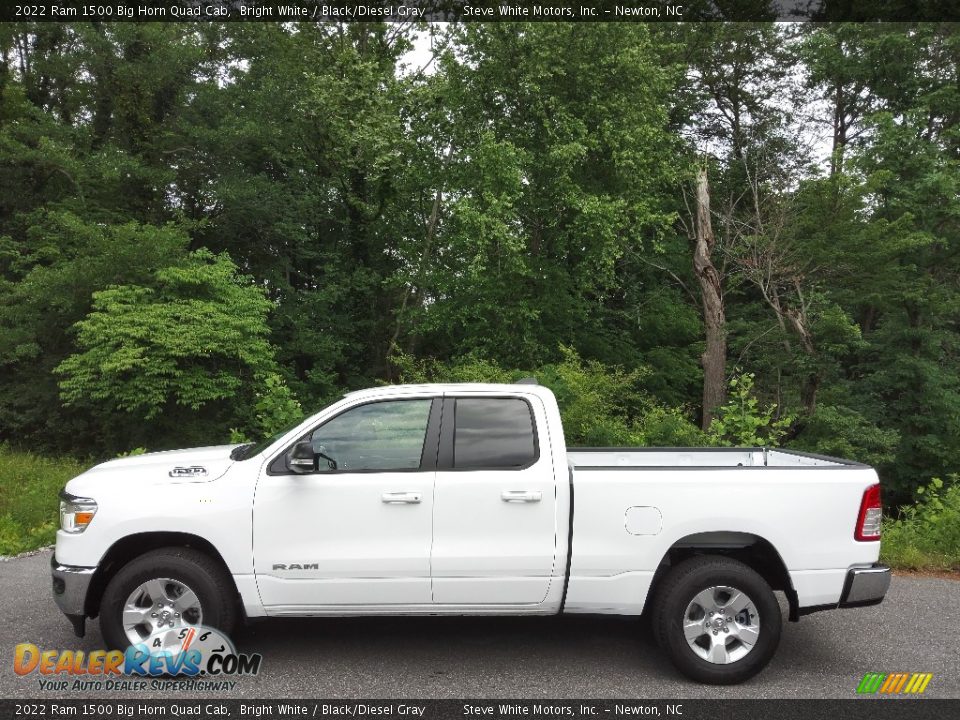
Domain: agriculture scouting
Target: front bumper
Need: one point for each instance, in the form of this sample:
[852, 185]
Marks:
[865, 586]
[70, 586]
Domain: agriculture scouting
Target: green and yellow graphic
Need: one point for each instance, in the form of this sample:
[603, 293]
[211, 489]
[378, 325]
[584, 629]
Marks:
[894, 683]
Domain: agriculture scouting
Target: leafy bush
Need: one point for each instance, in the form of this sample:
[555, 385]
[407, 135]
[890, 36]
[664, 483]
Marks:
[664, 426]
[842, 432]
[199, 336]
[601, 405]
[196, 337]
[28, 498]
[275, 407]
[743, 422]
[926, 535]
[595, 401]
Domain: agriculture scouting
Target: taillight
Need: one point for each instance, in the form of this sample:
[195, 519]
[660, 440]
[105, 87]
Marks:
[871, 513]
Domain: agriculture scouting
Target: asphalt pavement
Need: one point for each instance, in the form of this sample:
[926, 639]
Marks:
[825, 655]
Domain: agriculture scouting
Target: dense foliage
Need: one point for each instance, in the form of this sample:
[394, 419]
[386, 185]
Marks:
[927, 534]
[204, 228]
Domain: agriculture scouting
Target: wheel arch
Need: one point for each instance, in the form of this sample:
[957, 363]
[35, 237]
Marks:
[133, 546]
[752, 550]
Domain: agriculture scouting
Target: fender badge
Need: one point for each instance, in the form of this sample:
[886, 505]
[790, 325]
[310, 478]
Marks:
[188, 472]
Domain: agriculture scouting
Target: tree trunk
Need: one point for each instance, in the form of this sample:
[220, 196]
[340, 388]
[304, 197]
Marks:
[714, 358]
[103, 91]
[424, 257]
[811, 383]
[839, 131]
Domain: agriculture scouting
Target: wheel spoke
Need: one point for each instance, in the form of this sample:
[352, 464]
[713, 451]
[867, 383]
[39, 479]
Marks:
[705, 599]
[187, 601]
[133, 616]
[718, 651]
[692, 629]
[157, 591]
[747, 634]
[737, 602]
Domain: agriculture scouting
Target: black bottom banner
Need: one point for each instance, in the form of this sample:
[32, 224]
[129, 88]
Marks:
[865, 708]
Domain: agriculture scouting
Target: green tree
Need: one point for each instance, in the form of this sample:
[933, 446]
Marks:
[900, 248]
[559, 165]
[53, 272]
[195, 339]
[312, 207]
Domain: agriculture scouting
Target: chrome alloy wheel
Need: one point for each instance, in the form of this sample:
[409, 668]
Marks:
[721, 624]
[160, 604]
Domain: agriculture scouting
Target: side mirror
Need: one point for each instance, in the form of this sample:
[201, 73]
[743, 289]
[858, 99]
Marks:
[301, 459]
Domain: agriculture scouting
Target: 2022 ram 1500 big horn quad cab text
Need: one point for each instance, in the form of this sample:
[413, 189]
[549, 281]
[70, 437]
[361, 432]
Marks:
[464, 500]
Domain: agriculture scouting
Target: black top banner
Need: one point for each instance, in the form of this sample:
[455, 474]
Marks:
[478, 10]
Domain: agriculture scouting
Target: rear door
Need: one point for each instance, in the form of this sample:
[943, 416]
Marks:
[494, 522]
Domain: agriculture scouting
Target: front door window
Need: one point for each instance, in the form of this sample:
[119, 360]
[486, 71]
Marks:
[380, 436]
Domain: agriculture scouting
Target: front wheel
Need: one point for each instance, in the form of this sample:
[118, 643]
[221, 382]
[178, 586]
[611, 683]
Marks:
[166, 589]
[717, 620]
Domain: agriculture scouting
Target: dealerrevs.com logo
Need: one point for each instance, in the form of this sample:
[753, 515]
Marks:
[195, 658]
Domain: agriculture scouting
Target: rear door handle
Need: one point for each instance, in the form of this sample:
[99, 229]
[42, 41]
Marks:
[399, 498]
[521, 495]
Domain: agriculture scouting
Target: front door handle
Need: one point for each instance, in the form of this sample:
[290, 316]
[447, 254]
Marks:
[521, 495]
[398, 498]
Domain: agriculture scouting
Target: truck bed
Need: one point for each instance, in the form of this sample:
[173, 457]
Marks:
[631, 505]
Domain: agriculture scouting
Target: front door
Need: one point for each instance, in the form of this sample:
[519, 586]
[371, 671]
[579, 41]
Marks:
[356, 531]
[495, 526]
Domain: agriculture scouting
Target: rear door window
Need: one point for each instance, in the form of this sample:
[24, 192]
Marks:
[493, 433]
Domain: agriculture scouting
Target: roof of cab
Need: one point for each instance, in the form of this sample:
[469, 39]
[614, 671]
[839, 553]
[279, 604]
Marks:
[443, 388]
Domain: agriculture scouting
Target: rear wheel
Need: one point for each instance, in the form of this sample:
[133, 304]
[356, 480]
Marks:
[163, 590]
[717, 620]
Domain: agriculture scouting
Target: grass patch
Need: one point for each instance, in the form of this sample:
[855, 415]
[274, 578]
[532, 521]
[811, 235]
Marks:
[926, 536]
[29, 509]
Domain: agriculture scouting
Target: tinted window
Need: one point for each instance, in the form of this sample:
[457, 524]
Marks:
[493, 432]
[378, 436]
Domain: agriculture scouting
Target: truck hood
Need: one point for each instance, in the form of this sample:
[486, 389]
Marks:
[168, 467]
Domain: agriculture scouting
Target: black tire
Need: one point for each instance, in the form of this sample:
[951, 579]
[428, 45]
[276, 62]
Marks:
[198, 571]
[678, 589]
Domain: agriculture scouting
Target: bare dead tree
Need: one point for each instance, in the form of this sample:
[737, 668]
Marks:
[762, 253]
[714, 358]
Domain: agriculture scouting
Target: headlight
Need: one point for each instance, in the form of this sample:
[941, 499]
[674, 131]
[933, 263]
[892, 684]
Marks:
[76, 512]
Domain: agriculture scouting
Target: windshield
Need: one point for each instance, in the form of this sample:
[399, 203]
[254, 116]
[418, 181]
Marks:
[249, 450]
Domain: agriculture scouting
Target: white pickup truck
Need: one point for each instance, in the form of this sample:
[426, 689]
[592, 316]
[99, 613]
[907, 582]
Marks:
[465, 500]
